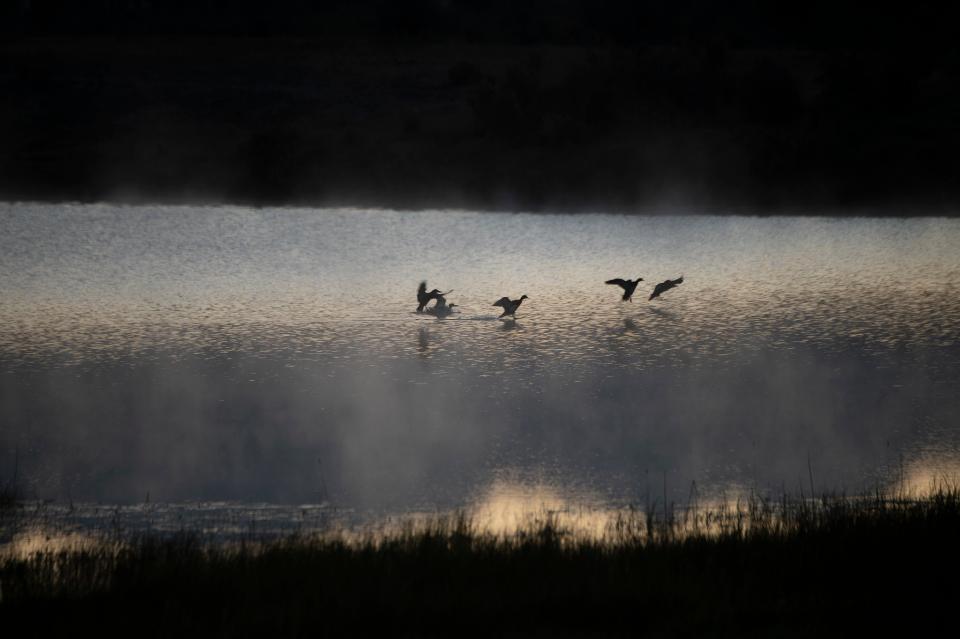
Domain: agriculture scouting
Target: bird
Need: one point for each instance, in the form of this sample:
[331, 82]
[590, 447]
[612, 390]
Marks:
[628, 286]
[665, 286]
[423, 297]
[509, 306]
[443, 311]
[441, 308]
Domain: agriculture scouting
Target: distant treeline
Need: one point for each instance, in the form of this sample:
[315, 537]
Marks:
[505, 105]
[795, 23]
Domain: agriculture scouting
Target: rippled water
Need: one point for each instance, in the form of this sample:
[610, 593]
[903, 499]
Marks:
[274, 355]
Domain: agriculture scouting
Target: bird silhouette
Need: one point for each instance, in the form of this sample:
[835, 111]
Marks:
[665, 286]
[509, 306]
[628, 286]
[441, 308]
[424, 297]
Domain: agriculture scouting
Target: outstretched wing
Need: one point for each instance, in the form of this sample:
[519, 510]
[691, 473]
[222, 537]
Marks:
[659, 288]
[422, 289]
[503, 301]
[618, 282]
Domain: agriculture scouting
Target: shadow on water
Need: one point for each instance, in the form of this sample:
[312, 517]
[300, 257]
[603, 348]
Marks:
[662, 313]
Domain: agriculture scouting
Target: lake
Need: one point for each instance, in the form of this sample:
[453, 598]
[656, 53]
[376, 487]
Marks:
[240, 357]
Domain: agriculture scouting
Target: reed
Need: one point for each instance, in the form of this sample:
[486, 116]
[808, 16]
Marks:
[789, 566]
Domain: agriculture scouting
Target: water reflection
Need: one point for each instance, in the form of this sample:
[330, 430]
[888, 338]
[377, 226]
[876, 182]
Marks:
[423, 340]
[506, 507]
[196, 353]
[509, 325]
[27, 543]
[926, 473]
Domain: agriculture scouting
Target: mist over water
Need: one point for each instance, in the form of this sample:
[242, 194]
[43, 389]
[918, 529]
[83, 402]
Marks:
[273, 355]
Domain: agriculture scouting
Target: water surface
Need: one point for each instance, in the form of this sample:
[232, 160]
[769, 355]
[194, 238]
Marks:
[272, 355]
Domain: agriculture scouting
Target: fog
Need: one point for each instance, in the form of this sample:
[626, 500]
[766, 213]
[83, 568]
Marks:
[231, 354]
[426, 430]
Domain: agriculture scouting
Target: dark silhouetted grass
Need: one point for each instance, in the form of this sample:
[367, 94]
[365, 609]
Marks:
[835, 566]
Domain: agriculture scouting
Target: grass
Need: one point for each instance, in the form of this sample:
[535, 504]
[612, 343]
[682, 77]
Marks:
[9, 493]
[833, 566]
[8, 498]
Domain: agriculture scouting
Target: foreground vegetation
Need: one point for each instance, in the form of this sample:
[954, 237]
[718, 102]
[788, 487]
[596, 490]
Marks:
[834, 566]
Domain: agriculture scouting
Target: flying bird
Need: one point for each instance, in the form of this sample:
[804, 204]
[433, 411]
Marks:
[628, 286]
[665, 286]
[509, 306]
[424, 297]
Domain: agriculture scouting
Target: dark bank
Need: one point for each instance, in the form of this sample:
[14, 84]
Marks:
[831, 565]
[572, 106]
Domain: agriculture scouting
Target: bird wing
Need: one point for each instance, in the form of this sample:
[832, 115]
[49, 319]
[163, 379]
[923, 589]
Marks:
[617, 281]
[503, 301]
[422, 288]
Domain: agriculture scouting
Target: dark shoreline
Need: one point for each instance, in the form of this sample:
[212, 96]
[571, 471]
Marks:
[829, 565]
[572, 127]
